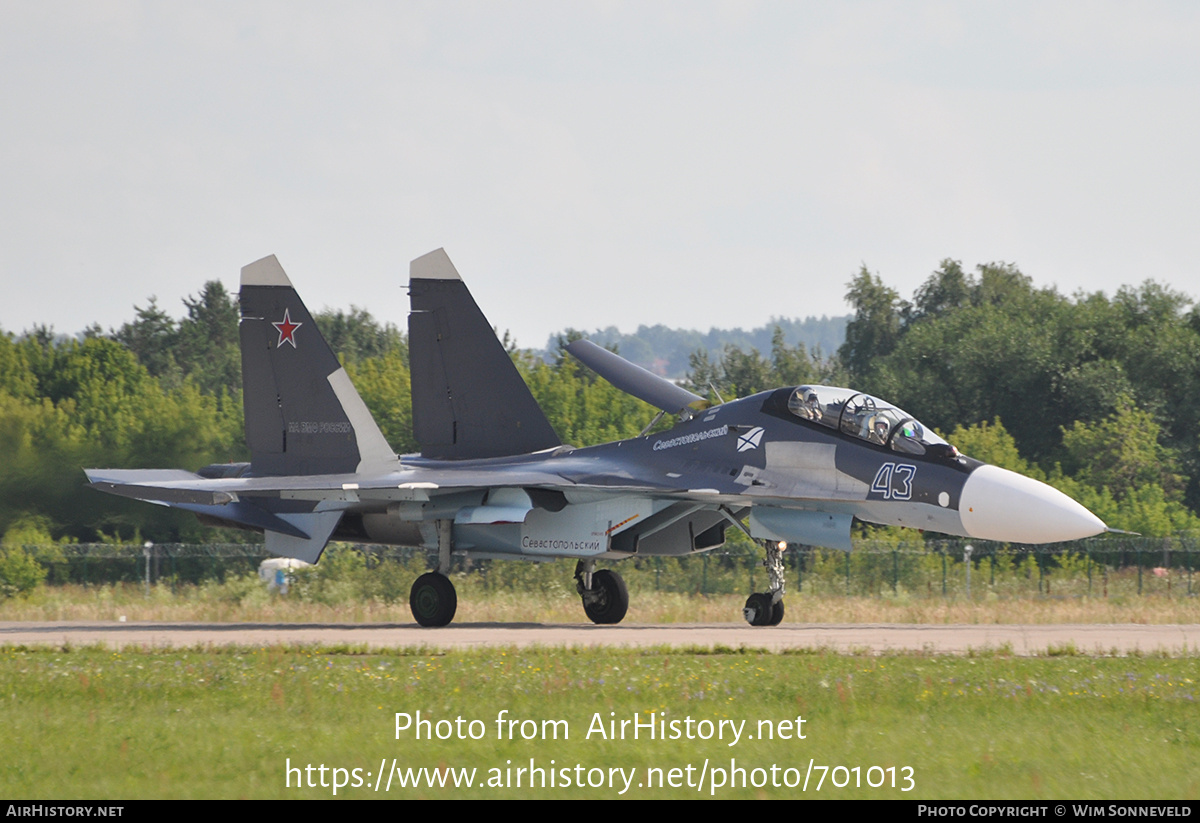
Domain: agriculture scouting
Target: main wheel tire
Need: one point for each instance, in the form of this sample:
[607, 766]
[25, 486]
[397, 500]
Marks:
[611, 601]
[758, 611]
[433, 600]
[776, 614]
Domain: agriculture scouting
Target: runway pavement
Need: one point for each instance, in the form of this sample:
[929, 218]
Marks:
[1119, 639]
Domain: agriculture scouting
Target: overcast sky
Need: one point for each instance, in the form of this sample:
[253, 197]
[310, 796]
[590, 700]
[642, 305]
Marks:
[589, 164]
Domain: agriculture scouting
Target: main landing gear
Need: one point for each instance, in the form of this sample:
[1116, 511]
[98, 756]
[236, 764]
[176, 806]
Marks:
[433, 600]
[605, 597]
[766, 608]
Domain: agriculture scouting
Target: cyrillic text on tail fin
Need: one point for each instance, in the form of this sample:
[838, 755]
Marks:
[303, 415]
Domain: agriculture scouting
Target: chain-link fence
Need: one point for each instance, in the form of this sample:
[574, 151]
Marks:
[958, 569]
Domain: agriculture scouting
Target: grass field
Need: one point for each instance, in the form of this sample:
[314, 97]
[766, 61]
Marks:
[88, 723]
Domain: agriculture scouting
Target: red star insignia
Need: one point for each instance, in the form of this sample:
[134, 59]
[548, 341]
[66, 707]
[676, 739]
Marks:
[287, 330]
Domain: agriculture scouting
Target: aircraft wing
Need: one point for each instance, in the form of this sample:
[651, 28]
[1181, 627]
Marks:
[173, 487]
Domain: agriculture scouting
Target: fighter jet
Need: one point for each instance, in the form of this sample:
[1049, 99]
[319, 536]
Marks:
[795, 465]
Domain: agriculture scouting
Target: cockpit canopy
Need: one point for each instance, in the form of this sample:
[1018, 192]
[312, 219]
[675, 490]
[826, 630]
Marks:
[863, 416]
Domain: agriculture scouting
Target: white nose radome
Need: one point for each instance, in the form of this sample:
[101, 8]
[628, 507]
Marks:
[997, 504]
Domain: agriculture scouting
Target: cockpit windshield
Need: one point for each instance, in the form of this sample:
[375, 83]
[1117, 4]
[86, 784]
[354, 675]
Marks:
[863, 416]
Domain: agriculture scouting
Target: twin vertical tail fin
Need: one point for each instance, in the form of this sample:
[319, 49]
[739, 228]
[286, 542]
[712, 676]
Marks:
[469, 400]
[303, 415]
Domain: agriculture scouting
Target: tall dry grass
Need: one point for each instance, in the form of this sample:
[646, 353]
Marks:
[247, 600]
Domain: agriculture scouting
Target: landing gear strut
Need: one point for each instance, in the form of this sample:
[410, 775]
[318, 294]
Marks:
[605, 597]
[433, 600]
[766, 608]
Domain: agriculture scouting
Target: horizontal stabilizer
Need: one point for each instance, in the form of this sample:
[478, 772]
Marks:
[657, 391]
[149, 485]
[135, 484]
[172, 497]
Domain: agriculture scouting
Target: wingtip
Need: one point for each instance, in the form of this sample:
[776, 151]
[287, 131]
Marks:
[265, 272]
[433, 266]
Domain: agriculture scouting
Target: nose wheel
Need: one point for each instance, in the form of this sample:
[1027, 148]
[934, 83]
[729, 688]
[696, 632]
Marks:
[760, 611]
[766, 608]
